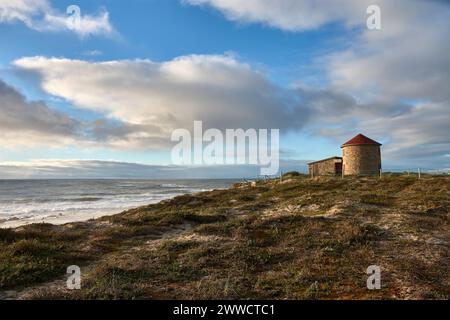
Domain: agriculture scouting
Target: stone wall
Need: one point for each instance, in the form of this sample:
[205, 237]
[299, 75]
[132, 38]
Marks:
[326, 167]
[361, 160]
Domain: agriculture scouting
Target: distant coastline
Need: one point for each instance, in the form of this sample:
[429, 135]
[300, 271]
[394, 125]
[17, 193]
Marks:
[61, 201]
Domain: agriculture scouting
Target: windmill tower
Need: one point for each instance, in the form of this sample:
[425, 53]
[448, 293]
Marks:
[361, 156]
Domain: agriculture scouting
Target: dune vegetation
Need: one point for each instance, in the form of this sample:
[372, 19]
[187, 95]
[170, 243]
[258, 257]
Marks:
[295, 238]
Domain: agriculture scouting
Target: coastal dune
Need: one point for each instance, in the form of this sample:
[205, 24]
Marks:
[295, 238]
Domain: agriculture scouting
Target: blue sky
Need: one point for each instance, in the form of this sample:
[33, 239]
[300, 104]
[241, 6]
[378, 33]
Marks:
[318, 74]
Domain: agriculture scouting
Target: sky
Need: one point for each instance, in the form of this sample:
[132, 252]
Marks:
[100, 96]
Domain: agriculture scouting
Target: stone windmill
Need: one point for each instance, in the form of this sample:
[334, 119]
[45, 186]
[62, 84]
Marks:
[361, 156]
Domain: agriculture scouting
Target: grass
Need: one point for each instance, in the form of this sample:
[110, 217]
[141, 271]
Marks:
[300, 238]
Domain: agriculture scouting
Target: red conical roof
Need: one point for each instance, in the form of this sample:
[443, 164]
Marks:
[359, 140]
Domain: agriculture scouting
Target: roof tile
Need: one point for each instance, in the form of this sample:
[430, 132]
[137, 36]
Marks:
[361, 139]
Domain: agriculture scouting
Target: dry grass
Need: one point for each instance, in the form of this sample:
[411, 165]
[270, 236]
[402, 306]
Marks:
[299, 239]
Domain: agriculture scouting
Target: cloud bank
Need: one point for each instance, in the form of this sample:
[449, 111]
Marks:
[151, 99]
[141, 110]
[28, 123]
[391, 84]
[80, 169]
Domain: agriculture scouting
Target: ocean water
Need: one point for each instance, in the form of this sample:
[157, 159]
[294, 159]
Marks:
[60, 201]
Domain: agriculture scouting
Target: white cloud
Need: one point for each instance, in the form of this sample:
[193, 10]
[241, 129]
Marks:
[154, 98]
[290, 15]
[399, 76]
[35, 124]
[407, 58]
[41, 16]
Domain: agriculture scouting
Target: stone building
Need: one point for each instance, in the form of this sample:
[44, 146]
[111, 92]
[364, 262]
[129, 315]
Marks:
[360, 156]
[326, 167]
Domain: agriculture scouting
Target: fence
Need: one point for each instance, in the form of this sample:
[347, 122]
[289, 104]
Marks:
[419, 172]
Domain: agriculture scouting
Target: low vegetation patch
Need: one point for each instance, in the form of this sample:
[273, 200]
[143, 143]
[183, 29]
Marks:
[295, 238]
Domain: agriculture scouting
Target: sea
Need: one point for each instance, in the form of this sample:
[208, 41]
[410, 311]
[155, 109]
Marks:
[25, 202]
